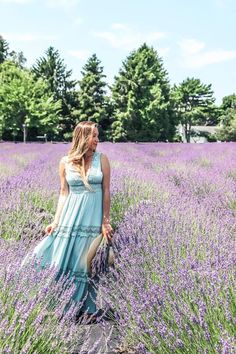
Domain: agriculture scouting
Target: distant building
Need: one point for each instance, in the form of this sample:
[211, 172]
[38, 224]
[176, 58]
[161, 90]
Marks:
[199, 133]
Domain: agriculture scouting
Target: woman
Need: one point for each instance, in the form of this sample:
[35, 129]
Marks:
[83, 212]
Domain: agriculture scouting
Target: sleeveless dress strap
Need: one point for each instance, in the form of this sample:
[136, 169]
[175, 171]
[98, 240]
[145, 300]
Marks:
[64, 159]
[97, 160]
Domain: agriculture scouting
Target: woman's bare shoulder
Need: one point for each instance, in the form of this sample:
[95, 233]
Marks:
[105, 161]
[64, 160]
[103, 156]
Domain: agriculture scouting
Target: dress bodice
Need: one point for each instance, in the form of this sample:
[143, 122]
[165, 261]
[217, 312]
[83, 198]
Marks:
[94, 174]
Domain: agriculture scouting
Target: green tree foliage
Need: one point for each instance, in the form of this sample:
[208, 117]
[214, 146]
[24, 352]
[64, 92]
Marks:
[93, 104]
[228, 102]
[18, 58]
[4, 49]
[227, 127]
[25, 100]
[212, 116]
[141, 99]
[227, 130]
[5, 54]
[53, 70]
[193, 102]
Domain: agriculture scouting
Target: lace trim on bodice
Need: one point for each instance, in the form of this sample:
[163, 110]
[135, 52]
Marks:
[77, 231]
[68, 166]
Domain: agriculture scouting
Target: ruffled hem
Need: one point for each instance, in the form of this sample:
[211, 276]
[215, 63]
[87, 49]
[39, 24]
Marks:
[79, 276]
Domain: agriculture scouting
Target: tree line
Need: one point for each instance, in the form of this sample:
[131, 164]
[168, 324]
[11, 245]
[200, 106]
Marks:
[140, 105]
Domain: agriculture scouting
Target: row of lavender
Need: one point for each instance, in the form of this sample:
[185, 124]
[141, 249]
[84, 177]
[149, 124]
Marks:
[177, 252]
[173, 207]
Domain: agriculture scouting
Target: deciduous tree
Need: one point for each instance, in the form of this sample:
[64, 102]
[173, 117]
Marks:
[25, 100]
[227, 127]
[193, 102]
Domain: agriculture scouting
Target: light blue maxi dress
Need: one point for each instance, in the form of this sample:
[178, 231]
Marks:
[80, 223]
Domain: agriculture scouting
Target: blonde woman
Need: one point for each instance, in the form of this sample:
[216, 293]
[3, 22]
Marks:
[82, 212]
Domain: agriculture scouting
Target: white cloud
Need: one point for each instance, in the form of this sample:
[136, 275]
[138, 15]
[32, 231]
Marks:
[123, 37]
[155, 36]
[27, 37]
[65, 4]
[118, 26]
[163, 51]
[211, 57]
[194, 54]
[78, 21]
[15, 1]
[223, 3]
[80, 54]
[191, 46]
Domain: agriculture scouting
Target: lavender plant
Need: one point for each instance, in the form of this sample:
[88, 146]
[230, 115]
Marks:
[173, 209]
[174, 283]
[36, 311]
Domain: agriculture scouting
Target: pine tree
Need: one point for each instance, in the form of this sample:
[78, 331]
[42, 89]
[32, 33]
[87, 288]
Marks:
[4, 48]
[93, 104]
[53, 70]
[17, 58]
[140, 95]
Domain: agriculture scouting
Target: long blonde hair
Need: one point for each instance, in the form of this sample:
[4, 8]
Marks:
[80, 145]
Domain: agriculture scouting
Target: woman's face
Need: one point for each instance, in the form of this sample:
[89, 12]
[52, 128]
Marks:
[93, 141]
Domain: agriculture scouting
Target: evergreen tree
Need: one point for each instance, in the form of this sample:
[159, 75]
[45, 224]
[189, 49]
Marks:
[141, 99]
[5, 54]
[4, 48]
[53, 70]
[193, 102]
[93, 104]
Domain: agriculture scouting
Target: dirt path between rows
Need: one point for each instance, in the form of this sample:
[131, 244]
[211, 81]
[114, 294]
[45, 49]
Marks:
[100, 338]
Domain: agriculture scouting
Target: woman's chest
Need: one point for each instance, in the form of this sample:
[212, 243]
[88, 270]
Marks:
[94, 175]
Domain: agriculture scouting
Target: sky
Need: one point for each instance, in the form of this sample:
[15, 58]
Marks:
[194, 38]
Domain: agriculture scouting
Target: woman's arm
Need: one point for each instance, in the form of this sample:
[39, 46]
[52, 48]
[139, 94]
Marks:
[106, 226]
[64, 191]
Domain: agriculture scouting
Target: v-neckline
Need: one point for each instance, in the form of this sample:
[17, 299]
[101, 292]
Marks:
[88, 170]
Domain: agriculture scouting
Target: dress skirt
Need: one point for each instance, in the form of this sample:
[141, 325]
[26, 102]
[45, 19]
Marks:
[80, 223]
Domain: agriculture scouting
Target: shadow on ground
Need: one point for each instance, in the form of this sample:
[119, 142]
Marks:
[99, 338]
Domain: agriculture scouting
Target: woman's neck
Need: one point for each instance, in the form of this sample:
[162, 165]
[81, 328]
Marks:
[88, 154]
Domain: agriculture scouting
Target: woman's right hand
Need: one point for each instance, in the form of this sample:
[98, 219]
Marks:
[50, 228]
[107, 231]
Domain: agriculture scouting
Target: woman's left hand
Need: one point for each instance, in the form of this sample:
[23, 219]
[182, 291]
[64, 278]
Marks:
[107, 230]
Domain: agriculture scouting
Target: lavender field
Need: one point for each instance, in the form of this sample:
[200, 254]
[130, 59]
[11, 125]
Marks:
[174, 214]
